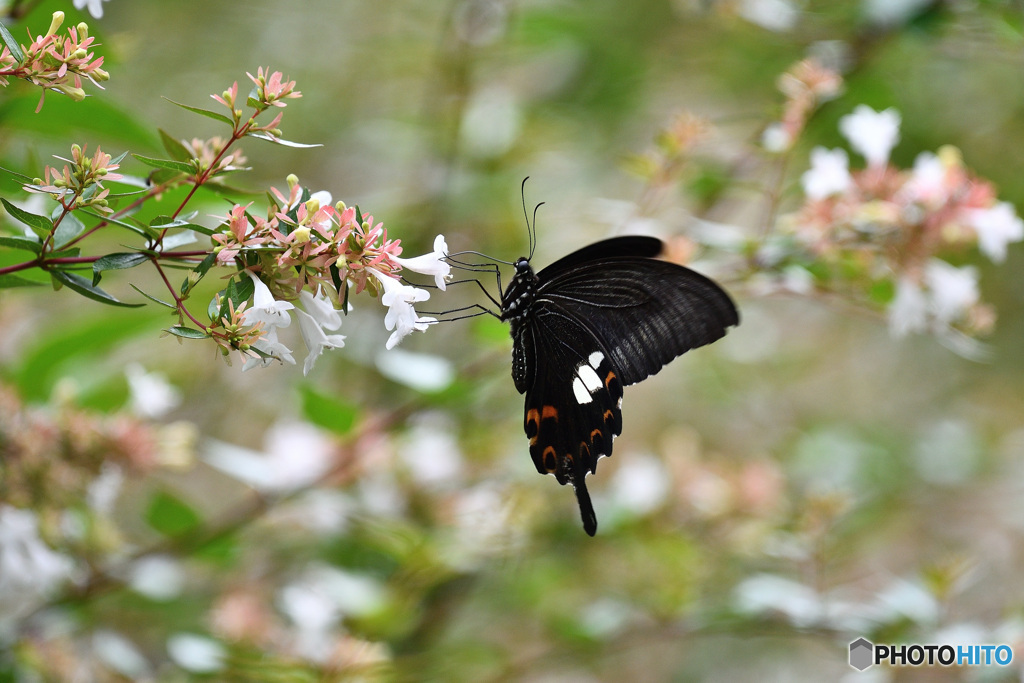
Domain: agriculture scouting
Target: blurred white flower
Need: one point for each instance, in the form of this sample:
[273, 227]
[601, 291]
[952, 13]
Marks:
[430, 264]
[95, 7]
[908, 311]
[491, 122]
[890, 12]
[27, 564]
[606, 617]
[927, 183]
[158, 577]
[945, 295]
[953, 290]
[430, 451]
[947, 452]
[120, 654]
[776, 138]
[317, 601]
[149, 393]
[872, 133]
[316, 339]
[767, 593]
[379, 495]
[829, 173]
[297, 454]
[774, 15]
[903, 598]
[641, 485]
[401, 316]
[420, 371]
[996, 227]
[265, 308]
[197, 654]
[103, 490]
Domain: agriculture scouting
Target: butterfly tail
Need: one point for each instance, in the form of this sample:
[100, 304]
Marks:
[579, 485]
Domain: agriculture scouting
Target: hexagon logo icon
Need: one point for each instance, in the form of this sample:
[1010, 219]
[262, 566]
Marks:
[861, 654]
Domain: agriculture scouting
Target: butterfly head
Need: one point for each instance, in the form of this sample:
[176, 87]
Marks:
[523, 267]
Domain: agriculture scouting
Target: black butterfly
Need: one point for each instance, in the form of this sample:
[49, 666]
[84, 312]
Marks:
[599, 319]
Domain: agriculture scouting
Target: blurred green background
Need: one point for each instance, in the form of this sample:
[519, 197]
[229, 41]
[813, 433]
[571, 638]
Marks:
[804, 482]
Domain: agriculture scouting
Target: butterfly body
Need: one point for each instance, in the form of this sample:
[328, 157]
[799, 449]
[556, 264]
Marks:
[603, 317]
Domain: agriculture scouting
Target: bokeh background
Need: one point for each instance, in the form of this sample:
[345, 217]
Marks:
[806, 481]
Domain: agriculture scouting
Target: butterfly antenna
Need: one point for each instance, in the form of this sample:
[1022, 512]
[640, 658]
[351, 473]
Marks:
[531, 232]
[534, 244]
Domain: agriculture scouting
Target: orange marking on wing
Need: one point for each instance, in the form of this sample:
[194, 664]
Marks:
[550, 459]
[594, 434]
[609, 416]
[608, 379]
[549, 411]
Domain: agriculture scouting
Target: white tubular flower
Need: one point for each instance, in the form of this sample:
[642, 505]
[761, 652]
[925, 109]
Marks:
[954, 290]
[430, 264]
[274, 349]
[265, 308]
[908, 311]
[829, 173]
[316, 339]
[401, 317]
[872, 133]
[996, 226]
[27, 564]
[95, 7]
[321, 308]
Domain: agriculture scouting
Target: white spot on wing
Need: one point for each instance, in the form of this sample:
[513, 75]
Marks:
[590, 379]
[595, 359]
[580, 391]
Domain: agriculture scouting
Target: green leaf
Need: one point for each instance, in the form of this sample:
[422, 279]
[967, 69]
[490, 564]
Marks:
[24, 179]
[204, 112]
[12, 280]
[153, 298]
[170, 515]
[174, 147]
[201, 229]
[177, 240]
[187, 332]
[123, 224]
[327, 411]
[11, 44]
[237, 292]
[41, 225]
[116, 261]
[161, 222]
[70, 227]
[279, 141]
[79, 284]
[201, 268]
[167, 164]
[25, 243]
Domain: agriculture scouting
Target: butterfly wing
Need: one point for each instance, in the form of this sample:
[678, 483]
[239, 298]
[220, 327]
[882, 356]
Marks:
[604, 317]
[573, 404]
[645, 312]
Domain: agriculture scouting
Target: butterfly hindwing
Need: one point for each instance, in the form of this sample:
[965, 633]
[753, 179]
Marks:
[573, 408]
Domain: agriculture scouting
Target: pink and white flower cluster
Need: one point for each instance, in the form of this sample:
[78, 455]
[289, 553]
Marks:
[310, 253]
[56, 61]
[892, 224]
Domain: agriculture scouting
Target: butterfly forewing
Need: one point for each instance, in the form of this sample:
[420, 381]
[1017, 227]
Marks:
[644, 312]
